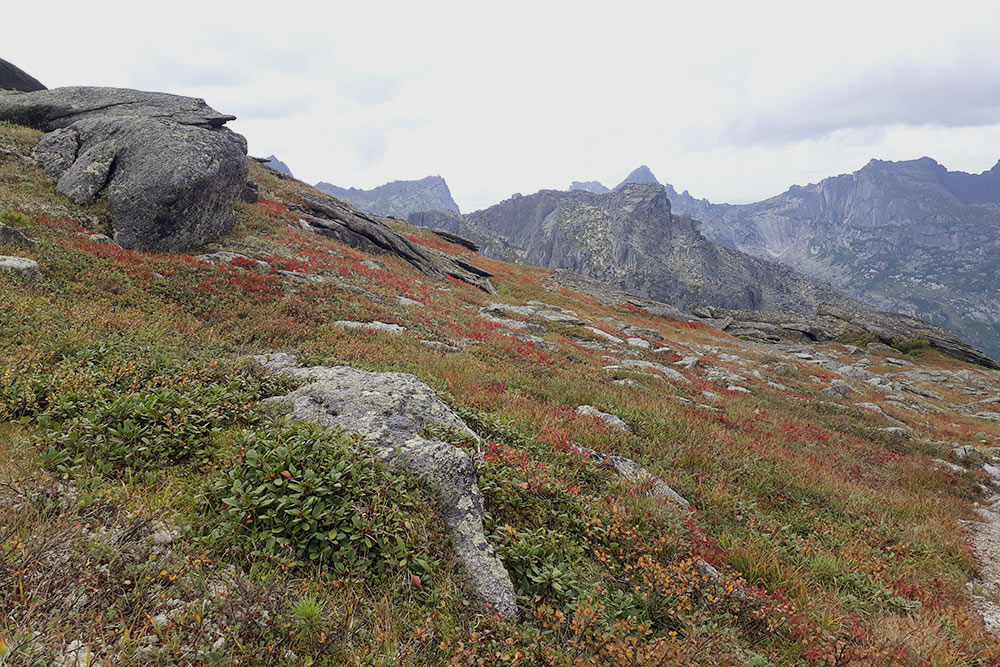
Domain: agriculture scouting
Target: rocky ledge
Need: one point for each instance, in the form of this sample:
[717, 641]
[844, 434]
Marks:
[169, 168]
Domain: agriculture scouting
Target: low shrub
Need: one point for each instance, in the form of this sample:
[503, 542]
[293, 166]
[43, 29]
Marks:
[303, 494]
[908, 345]
[137, 429]
[11, 217]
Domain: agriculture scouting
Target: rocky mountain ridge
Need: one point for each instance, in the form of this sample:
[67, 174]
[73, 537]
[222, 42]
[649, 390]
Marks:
[631, 239]
[399, 198]
[911, 237]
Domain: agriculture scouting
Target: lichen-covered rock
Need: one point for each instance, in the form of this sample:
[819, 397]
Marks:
[390, 411]
[371, 326]
[27, 268]
[170, 170]
[631, 471]
[14, 236]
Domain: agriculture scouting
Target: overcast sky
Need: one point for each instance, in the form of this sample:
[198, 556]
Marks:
[732, 101]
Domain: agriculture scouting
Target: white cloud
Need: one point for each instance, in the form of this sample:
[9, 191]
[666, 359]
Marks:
[733, 101]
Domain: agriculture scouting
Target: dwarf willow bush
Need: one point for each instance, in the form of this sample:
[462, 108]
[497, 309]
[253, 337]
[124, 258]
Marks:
[307, 495]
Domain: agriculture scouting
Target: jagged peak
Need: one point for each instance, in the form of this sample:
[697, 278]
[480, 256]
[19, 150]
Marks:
[641, 174]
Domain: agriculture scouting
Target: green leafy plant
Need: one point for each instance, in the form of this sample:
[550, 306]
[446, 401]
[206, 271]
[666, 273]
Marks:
[305, 494]
[163, 425]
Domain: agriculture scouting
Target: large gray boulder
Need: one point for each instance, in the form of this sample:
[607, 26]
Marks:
[13, 77]
[391, 411]
[170, 170]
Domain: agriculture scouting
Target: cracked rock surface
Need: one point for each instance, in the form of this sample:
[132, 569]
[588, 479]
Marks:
[391, 410]
[170, 170]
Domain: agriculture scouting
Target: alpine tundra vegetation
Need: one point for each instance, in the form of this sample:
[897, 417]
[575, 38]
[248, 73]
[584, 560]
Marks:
[280, 430]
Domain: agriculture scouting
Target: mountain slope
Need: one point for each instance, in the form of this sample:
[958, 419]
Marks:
[910, 237]
[160, 506]
[399, 198]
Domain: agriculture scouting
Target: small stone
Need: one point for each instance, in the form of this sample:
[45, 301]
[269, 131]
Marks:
[737, 388]
[614, 422]
[409, 303]
[444, 348]
[688, 362]
[375, 264]
[371, 326]
[24, 267]
[638, 342]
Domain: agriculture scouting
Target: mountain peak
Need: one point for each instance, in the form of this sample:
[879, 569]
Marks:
[398, 198]
[642, 174]
[277, 165]
[589, 186]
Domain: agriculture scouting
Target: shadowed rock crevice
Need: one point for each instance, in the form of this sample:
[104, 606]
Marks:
[170, 171]
[390, 411]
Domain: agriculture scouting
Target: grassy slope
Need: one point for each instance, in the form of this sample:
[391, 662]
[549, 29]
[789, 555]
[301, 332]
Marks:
[127, 406]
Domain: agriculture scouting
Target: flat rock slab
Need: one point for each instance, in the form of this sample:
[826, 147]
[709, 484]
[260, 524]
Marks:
[561, 316]
[640, 365]
[390, 411]
[371, 326]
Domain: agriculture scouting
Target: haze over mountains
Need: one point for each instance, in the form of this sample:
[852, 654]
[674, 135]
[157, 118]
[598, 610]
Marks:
[910, 237]
[399, 198]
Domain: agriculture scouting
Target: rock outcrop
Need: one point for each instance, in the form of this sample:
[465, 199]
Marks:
[908, 237]
[630, 239]
[330, 217]
[13, 77]
[399, 198]
[391, 411]
[831, 322]
[170, 171]
[21, 266]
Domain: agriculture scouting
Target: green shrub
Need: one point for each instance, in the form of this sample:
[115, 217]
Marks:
[11, 217]
[304, 494]
[542, 565]
[858, 339]
[908, 345]
[159, 426]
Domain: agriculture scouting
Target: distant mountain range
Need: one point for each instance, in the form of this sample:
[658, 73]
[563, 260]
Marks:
[910, 237]
[630, 238]
[399, 198]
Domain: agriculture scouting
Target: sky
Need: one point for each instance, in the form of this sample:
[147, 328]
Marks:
[733, 101]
